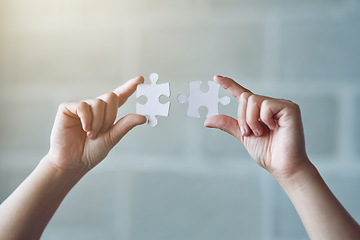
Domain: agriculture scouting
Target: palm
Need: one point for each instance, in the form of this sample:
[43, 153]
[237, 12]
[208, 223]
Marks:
[273, 150]
[84, 131]
[270, 129]
[260, 148]
[73, 145]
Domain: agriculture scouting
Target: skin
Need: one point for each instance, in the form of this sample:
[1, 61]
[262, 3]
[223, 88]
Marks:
[84, 132]
[271, 130]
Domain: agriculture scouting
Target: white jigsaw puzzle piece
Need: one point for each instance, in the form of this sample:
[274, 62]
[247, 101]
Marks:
[198, 98]
[152, 92]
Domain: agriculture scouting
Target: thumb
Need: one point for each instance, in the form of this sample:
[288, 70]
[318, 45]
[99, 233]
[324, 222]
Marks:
[224, 123]
[123, 126]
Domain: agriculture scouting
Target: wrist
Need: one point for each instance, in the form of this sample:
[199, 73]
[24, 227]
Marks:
[299, 178]
[64, 161]
[49, 165]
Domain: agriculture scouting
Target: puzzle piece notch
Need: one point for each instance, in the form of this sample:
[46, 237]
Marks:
[198, 98]
[152, 92]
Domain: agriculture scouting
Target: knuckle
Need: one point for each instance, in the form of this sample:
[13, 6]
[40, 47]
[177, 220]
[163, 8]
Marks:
[252, 99]
[296, 106]
[82, 105]
[293, 106]
[266, 104]
[99, 102]
[110, 97]
[245, 96]
[63, 106]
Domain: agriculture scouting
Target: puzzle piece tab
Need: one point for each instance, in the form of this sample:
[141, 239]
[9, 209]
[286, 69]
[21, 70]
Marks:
[198, 98]
[152, 92]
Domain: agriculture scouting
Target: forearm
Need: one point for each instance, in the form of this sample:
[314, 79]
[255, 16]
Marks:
[321, 213]
[27, 211]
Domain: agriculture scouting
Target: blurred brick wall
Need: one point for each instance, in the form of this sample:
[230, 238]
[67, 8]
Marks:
[180, 180]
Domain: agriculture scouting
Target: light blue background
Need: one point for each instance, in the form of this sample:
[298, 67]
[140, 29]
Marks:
[179, 180]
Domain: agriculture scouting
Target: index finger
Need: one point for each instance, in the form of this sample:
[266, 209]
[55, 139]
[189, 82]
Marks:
[230, 85]
[127, 89]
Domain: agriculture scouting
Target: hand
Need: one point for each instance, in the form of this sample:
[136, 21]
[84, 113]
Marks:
[270, 129]
[84, 132]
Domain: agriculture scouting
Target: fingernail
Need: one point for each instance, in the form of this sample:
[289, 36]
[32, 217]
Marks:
[256, 133]
[242, 130]
[92, 135]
